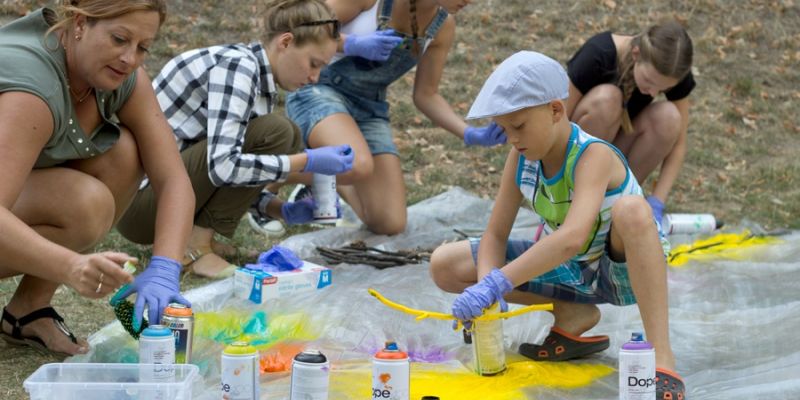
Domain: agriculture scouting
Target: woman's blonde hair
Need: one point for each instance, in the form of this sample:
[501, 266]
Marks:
[666, 46]
[281, 16]
[95, 10]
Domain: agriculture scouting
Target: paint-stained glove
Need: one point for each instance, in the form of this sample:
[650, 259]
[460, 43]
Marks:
[487, 136]
[491, 289]
[376, 46]
[156, 287]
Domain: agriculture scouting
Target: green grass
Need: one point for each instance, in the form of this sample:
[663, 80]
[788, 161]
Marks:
[743, 51]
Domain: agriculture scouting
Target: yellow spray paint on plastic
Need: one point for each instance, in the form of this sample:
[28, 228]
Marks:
[229, 325]
[449, 383]
[733, 246]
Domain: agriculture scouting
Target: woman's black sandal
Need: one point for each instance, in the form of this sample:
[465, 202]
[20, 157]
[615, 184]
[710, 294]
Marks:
[15, 338]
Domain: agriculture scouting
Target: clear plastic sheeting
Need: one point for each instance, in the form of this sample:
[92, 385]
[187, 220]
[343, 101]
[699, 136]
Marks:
[732, 323]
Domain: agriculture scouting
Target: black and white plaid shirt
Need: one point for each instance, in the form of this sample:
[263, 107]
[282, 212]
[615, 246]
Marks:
[213, 92]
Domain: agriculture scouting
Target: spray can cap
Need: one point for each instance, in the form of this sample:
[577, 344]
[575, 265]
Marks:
[391, 352]
[157, 331]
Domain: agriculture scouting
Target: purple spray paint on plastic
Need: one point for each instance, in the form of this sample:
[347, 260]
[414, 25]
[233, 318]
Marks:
[637, 369]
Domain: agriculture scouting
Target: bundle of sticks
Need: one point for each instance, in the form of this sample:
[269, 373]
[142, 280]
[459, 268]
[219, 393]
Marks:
[359, 253]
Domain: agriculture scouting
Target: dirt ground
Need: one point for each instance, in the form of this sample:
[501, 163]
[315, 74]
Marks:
[744, 130]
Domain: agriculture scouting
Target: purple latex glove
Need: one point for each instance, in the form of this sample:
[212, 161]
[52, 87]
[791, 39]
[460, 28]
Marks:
[657, 206]
[157, 286]
[299, 212]
[330, 160]
[487, 136]
[376, 46]
[281, 256]
[471, 303]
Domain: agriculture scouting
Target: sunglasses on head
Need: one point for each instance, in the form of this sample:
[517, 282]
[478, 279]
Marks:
[333, 22]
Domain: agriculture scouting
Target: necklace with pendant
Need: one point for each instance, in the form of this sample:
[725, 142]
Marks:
[80, 98]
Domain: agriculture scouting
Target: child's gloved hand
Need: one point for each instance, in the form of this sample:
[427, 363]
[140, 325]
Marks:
[330, 160]
[298, 212]
[156, 287]
[376, 46]
[657, 206]
[491, 289]
[487, 136]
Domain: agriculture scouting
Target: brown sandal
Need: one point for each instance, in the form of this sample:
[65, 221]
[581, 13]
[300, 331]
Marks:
[193, 255]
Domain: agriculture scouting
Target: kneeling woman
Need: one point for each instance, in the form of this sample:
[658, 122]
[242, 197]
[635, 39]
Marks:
[80, 120]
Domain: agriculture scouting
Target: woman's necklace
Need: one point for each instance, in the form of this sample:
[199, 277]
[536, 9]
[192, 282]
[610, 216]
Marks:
[80, 98]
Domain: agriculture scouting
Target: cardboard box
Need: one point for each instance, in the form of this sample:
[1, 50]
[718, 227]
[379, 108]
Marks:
[260, 286]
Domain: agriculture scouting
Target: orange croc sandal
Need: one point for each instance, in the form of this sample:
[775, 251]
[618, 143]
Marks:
[669, 385]
[560, 345]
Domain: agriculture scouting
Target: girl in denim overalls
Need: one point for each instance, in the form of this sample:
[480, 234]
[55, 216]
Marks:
[348, 104]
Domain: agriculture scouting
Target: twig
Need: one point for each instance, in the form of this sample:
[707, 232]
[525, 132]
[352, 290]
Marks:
[359, 253]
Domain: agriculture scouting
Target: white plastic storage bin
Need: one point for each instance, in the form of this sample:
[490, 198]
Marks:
[89, 381]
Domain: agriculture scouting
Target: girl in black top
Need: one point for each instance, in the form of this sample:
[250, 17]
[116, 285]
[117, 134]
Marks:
[614, 79]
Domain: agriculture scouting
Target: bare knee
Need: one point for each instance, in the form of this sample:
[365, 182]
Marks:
[90, 215]
[363, 167]
[123, 158]
[386, 223]
[631, 215]
[599, 112]
[663, 122]
[444, 263]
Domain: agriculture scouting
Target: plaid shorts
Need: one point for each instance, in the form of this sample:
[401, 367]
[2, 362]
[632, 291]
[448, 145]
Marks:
[600, 281]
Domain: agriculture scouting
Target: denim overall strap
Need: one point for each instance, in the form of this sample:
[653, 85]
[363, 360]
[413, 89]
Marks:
[433, 28]
[365, 81]
[385, 14]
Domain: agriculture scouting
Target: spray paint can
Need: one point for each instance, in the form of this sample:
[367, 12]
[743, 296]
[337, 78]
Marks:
[323, 188]
[240, 372]
[180, 320]
[310, 376]
[488, 349]
[391, 374]
[157, 346]
[637, 369]
[687, 224]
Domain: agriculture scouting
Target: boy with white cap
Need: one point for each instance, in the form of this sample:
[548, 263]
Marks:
[600, 242]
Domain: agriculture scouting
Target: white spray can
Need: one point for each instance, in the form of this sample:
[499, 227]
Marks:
[240, 371]
[637, 369]
[323, 188]
[688, 224]
[391, 374]
[157, 346]
[310, 376]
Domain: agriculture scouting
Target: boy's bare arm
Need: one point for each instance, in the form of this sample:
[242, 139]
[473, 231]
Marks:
[493, 242]
[593, 174]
